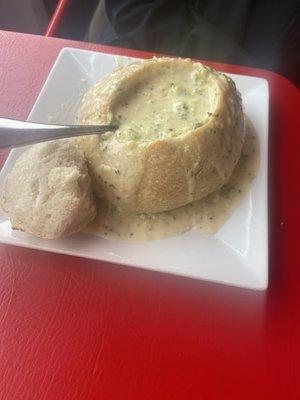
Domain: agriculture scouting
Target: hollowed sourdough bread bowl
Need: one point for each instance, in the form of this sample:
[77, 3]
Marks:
[181, 130]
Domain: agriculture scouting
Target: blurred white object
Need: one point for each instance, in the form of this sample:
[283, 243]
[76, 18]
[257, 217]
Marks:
[98, 22]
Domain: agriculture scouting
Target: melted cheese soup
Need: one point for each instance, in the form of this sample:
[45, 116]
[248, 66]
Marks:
[169, 103]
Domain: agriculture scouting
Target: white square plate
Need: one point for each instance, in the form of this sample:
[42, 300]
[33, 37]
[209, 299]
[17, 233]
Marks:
[237, 255]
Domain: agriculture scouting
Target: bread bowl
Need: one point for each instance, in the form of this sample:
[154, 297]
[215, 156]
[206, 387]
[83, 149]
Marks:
[181, 130]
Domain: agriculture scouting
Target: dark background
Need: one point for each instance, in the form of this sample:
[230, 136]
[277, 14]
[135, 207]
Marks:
[257, 33]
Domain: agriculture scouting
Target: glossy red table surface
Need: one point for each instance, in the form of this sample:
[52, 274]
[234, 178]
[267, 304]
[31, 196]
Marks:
[72, 328]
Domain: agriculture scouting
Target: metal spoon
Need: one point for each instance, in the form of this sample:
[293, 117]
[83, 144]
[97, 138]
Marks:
[15, 133]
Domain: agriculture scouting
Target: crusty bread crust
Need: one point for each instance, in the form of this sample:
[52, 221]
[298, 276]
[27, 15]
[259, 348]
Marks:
[150, 177]
[48, 193]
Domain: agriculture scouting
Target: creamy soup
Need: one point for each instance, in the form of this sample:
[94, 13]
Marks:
[207, 215]
[169, 103]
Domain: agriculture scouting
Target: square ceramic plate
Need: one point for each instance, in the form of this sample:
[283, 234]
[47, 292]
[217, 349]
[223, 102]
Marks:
[237, 255]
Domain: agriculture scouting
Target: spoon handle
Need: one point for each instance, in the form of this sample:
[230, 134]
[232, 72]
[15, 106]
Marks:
[15, 133]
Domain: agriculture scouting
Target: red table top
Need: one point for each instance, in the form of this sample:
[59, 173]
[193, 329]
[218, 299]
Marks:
[72, 328]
